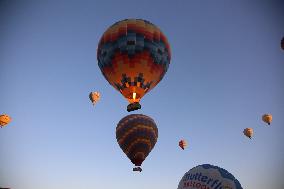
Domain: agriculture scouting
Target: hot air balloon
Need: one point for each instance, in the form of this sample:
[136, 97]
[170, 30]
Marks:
[208, 177]
[267, 118]
[136, 135]
[94, 97]
[182, 144]
[4, 120]
[133, 55]
[282, 43]
[248, 132]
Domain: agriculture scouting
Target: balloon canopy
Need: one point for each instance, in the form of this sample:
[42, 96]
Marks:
[94, 97]
[208, 176]
[133, 55]
[136, 135]
[267, 118]
[4, 120]
[182, 143]
[248, 132]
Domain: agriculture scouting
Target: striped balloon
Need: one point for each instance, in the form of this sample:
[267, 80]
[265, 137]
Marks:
[133, 56]
[136, 135]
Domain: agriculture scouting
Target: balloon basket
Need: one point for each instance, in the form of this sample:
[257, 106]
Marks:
[133, 106]
[137, 169]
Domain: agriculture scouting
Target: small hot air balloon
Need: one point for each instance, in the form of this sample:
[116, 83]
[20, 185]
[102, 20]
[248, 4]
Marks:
[182, 143]
[208, 176]
[133, 56]
[4, 120]
[94, 97]
[136, 135]
[282, 43]
[267, 118]
[248, 132]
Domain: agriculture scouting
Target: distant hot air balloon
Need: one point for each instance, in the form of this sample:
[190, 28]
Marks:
[182, 144]
[94, 97]
[136, 135]
[248, 132]
[208, 176]
[282, 43]
[133, 55]
[4, 120]
[267, 118]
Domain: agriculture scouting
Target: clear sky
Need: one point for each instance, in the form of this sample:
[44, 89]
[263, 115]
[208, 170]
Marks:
[227, 70]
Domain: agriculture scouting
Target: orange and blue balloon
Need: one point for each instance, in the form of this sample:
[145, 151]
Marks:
[133, 55]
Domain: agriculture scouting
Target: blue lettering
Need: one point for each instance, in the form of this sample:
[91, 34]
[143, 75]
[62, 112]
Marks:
[204, 178]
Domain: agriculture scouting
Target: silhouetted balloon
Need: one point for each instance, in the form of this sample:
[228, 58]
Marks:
[133, 56]
[4, 120]
[208, 176]
[136, 135]
[248, 132]
[182, 144]
[267, 118]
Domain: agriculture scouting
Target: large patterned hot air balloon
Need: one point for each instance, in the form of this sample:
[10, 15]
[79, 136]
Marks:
[94, 97]
[267, 118]
[248, 132]
[133, 56]
[4, 120]
[208, 177]
[182, 143]
[136, 135]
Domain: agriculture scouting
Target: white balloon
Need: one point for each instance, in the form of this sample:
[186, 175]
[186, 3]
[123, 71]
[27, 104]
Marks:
[208, 177]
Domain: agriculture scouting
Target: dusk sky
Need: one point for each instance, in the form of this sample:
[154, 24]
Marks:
[227, 69]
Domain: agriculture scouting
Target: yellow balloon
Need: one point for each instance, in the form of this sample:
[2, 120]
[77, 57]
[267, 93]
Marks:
[4, 120]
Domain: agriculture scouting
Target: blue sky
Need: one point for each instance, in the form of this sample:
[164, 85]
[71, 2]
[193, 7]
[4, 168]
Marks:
[227, 70]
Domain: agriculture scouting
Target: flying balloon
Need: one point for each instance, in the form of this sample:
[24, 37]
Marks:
[94, 97]
[208, 176]
[267, 118]
[133, 55]
[182, 144]
[248, 132]
[136, 135]
[4, 120]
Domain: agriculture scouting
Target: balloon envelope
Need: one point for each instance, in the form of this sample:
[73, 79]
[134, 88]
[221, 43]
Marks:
[248, 132]
[208, 176]
[136, 135]
[182, 144]
[133, 55]
[4, 120]
[94, 97]
[267, 118]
